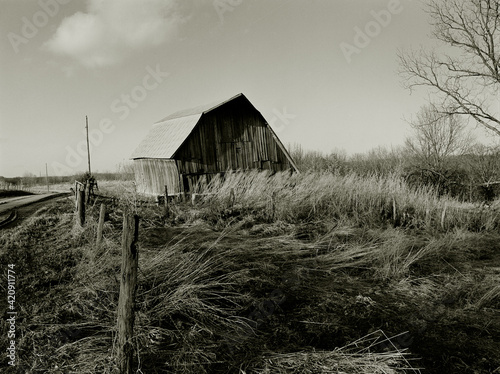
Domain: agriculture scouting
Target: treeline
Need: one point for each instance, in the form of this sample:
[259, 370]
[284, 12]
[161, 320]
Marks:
[473, 176]
[441, 153]
[125, 171]
[28, 181]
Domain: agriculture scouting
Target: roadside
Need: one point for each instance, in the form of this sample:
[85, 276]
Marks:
[5, 194]
[15, 209]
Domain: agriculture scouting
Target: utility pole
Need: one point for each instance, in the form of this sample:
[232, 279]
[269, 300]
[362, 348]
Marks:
[88, 147]
[47, 177]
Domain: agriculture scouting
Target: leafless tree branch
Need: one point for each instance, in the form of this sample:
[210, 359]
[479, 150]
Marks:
[468, 79]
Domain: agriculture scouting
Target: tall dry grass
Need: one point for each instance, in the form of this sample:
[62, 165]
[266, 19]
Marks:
[359, 200]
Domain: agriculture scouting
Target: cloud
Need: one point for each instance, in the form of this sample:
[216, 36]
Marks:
[111, 30]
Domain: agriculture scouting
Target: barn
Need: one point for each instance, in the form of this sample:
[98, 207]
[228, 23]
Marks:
[193, 145]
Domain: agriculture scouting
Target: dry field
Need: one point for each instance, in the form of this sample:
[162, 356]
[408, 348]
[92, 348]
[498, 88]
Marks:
[315, 273]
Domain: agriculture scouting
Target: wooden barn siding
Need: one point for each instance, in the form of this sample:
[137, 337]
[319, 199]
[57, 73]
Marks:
[231, 137]
[152, 175]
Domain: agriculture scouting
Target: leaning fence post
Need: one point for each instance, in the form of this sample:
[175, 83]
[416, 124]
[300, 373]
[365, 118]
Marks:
[80, 203]
[76, 195]
[100, 226]
[128, 285]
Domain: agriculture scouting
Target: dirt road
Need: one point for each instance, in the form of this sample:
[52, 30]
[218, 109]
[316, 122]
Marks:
[14, 209]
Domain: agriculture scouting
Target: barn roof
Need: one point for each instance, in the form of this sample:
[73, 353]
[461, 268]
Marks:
[199, 109]
[165, 138]
[168, 134]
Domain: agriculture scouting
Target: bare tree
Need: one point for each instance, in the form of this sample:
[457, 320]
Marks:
[485, 163]
[481, 179]
[29, 179]
[466, 78]
[439, 138]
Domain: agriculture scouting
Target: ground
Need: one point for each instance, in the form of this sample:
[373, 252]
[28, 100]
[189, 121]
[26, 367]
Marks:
[241, 294]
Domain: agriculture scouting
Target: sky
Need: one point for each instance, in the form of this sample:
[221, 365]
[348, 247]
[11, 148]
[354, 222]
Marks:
[322, 72]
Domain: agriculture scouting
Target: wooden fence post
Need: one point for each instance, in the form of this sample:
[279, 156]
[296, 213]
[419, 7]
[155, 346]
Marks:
[394, 213]
[166, 202]
[76, 195]
[80, 203]
[87, 191]
[128, 285]
[100, 226]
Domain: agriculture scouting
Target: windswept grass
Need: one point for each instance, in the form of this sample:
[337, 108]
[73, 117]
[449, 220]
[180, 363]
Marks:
[353, 199]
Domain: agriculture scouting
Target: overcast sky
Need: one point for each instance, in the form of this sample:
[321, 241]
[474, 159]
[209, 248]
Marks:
[323, 72]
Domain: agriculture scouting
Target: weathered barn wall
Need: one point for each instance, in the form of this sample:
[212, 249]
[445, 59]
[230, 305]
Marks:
[152, 175]
[231, 137]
